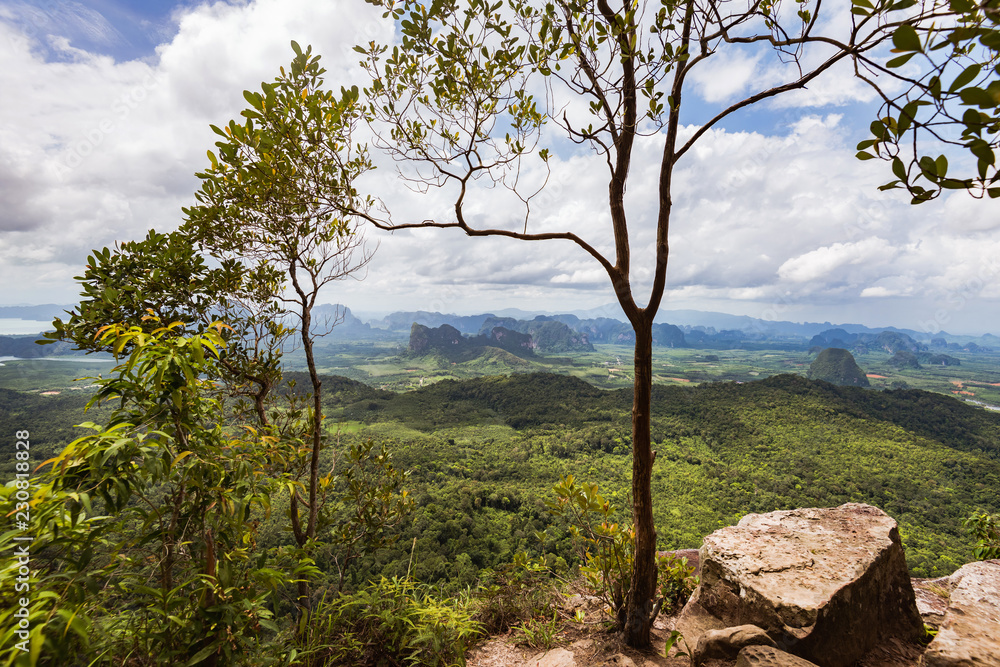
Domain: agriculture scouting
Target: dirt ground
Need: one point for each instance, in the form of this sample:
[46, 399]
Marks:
[594, 646]
[591, 645]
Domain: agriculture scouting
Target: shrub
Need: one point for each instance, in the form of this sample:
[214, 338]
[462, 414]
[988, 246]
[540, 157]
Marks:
[513, 594]
[677, 581]
[985, 529]
[392, 621]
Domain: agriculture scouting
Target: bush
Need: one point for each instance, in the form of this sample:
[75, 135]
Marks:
[607, 550]
[985, 529]
[677, 581]
[393, 621]
[512, 595]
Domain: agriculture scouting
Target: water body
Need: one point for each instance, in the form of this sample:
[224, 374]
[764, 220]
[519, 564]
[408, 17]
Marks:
[84, 359]
[18, 327]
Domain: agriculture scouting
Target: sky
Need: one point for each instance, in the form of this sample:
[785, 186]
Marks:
[104, 120]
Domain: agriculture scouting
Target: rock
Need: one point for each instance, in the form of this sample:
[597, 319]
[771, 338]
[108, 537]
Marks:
[582, 603]
[725, 644]
[619, 660]
[557, 657]
[694, 620]
[970, 633]
[768, 656]
[826, 584]
[932, 599]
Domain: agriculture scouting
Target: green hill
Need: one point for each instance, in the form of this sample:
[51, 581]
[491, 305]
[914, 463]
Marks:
[724, 449]
[484, 454]
[838, 366]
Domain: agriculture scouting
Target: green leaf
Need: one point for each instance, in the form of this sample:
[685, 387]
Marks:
[899, 61]
[898, 169]
[906, 39]
[906, 117]
[864, 156]
[942, 166]
[208, 650]
[179, 457]
[965, 78]
[929, 167]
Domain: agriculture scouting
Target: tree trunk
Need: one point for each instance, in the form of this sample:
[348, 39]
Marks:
[639, 619]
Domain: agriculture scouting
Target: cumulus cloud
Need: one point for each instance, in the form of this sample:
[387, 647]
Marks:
[825, 263]
[725, 75]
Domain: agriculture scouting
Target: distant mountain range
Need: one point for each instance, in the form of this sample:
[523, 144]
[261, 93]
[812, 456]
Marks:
[563, 332]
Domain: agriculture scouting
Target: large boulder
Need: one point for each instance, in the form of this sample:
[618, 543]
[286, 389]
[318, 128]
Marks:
[970, 633]
[827, 585]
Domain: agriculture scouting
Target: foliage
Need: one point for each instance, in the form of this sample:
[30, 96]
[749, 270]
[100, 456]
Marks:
[57, 625]
[164, 279]
[391, 621]
[162, 276]
[605, 548]
[278, 194]
[370, 502]
[157, 505]
[674, 641]
[985, 529]
[513, 594]
[677, 581]
[282, 179]
[954, 100]
[538, 633]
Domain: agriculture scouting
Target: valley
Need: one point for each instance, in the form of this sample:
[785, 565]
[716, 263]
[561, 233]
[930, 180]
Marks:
[736, 431]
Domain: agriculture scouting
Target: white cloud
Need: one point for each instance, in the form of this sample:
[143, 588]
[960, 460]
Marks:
[824, 263]
[725, 75]
[878, 291]
[93, 151]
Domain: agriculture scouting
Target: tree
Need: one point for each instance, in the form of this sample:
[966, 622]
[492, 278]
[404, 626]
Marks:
[454, 102]
[163, 279]
[278, 195]
[146, 525]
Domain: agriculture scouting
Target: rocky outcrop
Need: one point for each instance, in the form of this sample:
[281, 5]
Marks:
[767, 656]
[547, 334]
[449, 341]
[725, 644]
[827, 585]
[424, 340]
[969, 636]
[512, 341]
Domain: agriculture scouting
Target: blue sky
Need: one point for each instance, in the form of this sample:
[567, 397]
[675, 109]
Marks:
[104, 120]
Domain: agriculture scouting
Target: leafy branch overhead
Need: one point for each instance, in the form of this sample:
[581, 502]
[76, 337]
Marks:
[951, 98]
